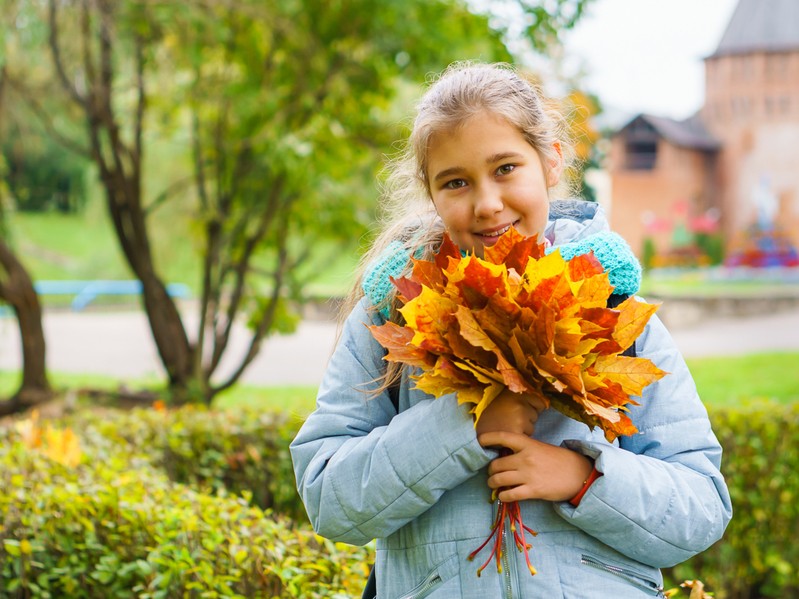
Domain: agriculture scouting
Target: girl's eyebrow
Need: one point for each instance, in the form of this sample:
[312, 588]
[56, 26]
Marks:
[448, 172]
[494, 158]
[500, 156]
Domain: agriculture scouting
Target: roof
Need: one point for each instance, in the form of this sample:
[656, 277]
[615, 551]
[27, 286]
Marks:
[690, 133]
[761, 26]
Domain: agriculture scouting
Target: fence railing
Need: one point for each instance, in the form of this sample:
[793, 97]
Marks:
[86, 292]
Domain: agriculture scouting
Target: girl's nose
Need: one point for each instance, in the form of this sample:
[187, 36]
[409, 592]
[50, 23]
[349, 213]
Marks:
[487, 202]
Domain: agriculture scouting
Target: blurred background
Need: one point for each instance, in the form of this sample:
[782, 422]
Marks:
[211, 174]
[186, 188]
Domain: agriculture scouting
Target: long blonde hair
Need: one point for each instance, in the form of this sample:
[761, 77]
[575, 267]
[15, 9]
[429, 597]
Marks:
[463, 90]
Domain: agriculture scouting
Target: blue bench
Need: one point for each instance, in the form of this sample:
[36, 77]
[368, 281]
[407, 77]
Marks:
[86, 291]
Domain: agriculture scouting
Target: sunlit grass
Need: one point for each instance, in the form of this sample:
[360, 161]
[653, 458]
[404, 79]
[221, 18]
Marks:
[709, 283]
[295, 400]
[722, 381]
[730, 381]
[57, 247]
[298, 400]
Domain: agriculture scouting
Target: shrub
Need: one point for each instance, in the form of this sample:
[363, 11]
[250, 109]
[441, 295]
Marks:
[648, 253]
[236, 450]
[759, 555]
[112, 528]
[123, 514]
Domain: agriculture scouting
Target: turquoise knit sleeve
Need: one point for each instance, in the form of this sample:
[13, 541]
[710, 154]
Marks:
[623, 268]
[376, 284]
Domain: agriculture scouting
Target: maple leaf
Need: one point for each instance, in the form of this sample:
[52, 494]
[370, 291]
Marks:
[62, 446]
[30, 431]
[525, 320]
[397, 340]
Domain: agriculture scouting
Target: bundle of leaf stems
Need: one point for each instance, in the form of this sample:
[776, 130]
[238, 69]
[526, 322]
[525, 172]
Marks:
[511, 512]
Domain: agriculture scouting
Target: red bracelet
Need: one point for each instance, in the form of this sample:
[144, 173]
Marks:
[595, 474]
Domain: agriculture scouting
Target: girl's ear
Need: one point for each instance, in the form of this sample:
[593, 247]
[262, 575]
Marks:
[555, 166]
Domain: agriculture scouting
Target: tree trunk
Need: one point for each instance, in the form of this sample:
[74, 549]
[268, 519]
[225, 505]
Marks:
[166, 325]
[16, 288]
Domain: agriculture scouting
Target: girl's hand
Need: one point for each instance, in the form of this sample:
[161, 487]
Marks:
[512, 412]
[535, 470]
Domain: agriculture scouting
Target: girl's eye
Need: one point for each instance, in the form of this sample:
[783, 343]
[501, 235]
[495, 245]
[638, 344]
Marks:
[454, 184]
[505, 169]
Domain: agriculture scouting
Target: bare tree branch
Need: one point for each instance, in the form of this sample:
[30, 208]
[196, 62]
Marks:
[55, 51]
[44, 117]
[141, 102]
[86, 47]
[171, 189]
[241, 267]
[266, 322]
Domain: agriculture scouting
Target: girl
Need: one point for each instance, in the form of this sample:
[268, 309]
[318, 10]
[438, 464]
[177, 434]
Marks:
[484, 154]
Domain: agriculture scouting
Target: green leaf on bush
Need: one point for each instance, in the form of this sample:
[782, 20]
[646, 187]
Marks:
[12, 547]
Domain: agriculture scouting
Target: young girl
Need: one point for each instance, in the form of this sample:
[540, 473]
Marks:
[484, 153]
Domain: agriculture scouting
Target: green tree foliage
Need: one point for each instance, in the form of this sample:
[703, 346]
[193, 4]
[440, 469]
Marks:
[283, 110]
[40, 175]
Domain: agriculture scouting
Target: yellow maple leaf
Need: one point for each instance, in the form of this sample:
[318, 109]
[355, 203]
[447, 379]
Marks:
[633, 316]
[62, 446]
[633, 374]
[29, 430]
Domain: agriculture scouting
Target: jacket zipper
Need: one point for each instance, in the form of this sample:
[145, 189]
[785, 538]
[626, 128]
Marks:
[506, 565]
[630, 576]
[428, 584]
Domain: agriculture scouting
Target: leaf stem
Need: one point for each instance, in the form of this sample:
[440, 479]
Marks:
[513, 514]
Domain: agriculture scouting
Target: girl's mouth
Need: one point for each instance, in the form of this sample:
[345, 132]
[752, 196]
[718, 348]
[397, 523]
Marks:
[490, 236]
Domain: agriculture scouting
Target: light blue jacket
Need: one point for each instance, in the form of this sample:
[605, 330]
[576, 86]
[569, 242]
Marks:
[416, 480]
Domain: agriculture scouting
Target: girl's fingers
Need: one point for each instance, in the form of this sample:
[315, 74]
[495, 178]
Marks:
[509, 494]
[509, 479]
[513, 441]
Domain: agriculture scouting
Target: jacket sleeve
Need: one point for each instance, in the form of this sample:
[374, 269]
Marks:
[662, 498]
[362, 471]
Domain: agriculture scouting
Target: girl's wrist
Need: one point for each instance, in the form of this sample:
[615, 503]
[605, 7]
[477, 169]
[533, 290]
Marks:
[592, 477]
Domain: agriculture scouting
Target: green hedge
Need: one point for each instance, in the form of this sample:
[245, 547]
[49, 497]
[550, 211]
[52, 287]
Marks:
[230, 450]
[115, 526]
[759, 554]
[245, 453]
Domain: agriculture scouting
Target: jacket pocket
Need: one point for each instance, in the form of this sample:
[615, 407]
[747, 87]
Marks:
[631, 576]
[434, 579]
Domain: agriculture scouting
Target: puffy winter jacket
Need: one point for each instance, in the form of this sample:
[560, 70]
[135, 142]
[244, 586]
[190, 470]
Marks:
[416, 480]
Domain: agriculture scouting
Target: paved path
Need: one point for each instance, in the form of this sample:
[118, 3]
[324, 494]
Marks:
[119, 344]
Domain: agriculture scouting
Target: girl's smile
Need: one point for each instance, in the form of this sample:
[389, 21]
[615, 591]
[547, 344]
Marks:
[485, 177]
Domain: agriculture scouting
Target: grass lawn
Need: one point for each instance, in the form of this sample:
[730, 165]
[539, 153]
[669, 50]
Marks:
[57, 247]
[724, 381]
[728, 381]
[714, 283]
[298, 400]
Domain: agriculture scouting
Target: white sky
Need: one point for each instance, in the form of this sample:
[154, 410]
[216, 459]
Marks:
[646, 55]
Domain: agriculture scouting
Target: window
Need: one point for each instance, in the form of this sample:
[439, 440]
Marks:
[641, 143]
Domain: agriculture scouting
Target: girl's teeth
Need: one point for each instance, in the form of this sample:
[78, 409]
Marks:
[498, 233]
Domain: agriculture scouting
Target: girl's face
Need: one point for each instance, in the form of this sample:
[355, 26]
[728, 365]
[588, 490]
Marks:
[484, 177]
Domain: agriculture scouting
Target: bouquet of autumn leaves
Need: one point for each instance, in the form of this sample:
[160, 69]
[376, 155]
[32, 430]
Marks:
[527, 321]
